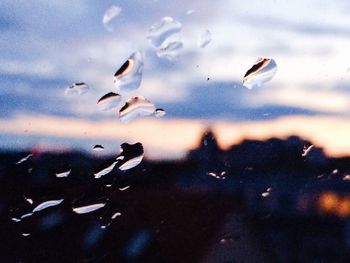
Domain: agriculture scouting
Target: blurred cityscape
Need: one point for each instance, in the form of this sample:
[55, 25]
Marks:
[259, 201]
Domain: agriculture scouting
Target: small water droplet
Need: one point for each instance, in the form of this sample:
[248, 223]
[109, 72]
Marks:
[77, 88]
[63, 174]
[204, 38]
[24, 159]
[109, 17]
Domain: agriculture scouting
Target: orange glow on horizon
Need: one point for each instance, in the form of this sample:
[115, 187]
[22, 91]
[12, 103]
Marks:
[174, 137]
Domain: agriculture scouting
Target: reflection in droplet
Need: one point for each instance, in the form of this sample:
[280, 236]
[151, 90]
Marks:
[29, 200]
[128, 77]
[109, 101]
[261, 72]
[132, 153]
[158, 33]
[136, 107]
[131, 163]
[124, 188]
[77, 88]
[105, 171]
[346, 177]
[204, 38]
[24, 159]
[109, 17]
[47, 204]
[159, 112]
[190, 12]
[266, 193]
[88, 208]
[63, 174]
[217, 175]
[26, 215]
[115, 215]
[306, 150]
[170, 51]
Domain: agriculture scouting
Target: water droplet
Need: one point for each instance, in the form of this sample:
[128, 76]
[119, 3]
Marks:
[170, 51]
[212, 174]
[115, 215]
[158, 33]
[133, 155]
[346, 177]
[124, 188]
[88, 208]
[131, 163]
[63, 174]
[16, 219]
[24, 159]
[217, 176]
[105, 171]
[190, 12]
[128, 77]
[29, 200]
[267, 192]
[306, 150]
[109, 17]
[335, 171]
[159, 112]
[25, 234]
[98, 147]
[136, 107]
[26, 215]
[108, 185]
[204, 38]
[109, 101]
[77, 88]
[47, 204]
[261, 72]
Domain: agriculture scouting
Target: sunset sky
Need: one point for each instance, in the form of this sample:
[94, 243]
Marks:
[47, 47]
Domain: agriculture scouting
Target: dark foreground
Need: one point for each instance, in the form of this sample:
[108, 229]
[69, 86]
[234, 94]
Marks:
[275, 210]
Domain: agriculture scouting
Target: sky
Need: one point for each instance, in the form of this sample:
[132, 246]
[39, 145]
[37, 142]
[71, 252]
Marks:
[47, 46]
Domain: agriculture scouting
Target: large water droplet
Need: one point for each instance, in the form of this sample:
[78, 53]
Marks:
[109, 101]
[136, 107]
[128, 77]
[158, 33]
[261, 72]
